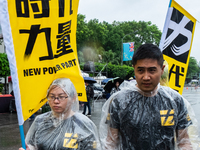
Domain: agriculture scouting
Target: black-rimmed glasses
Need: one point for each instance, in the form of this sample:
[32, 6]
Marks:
[60, 98]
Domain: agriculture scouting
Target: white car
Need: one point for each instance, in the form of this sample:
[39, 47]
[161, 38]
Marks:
[84, 74]
[98, 94]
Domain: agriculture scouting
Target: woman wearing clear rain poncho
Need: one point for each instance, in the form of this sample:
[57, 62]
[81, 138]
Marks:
[63, 128]
[146, 115]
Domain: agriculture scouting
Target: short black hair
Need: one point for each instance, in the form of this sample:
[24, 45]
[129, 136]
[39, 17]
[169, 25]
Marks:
[150, 51]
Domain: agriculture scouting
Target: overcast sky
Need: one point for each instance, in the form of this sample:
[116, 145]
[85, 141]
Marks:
[144, 10]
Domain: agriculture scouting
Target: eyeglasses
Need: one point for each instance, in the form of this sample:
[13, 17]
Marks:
[60, 98]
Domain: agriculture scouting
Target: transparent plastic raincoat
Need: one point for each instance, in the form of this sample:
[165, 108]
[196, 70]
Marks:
[160, 120]
[68, 130]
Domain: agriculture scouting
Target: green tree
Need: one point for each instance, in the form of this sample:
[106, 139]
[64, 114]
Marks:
[99, 32]
[4, 65]
[124, 72]
[102, 37]
[82, 32]
[110, 56]
[90, 37]
[192, 67]
[114, 37]
[132, 31]
[1, 88]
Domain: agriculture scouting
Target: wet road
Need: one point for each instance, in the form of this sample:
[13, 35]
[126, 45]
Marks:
[9, 130]
[193, 97]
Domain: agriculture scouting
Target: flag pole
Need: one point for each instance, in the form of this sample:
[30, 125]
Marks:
[170, 2]
[7, 36]
[21, 129]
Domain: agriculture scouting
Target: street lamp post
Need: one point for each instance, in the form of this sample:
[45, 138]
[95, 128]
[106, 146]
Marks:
[122, 46]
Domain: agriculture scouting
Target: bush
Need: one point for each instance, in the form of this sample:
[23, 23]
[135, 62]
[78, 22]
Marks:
[124, 72]
[4, 65]
[1, 88]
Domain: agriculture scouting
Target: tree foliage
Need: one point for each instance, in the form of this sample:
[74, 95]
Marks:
[4, 65]
[109, 56]
[82, 32]
[105, 39]
[192, 67]
[1, 88]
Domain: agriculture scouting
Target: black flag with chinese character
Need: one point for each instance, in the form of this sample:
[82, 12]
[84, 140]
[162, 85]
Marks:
[176, 44]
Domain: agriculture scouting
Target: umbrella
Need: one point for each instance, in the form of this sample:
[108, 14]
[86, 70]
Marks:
[111, 83]
[104, 81]
[89, 79]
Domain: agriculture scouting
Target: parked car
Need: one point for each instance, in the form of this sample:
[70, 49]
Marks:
[98, 94]
[97, 86]
[193, 83]
[84, 74]
[98, 90]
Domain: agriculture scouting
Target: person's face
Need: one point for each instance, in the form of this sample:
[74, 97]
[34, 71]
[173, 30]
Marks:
[117, 84]
[148, 73]
[58, 106]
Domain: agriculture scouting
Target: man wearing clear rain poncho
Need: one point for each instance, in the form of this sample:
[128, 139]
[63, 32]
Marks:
[145, 116]
[63, 128]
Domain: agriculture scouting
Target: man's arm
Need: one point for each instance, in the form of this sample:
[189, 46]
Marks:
[184, 140]
[112, 139]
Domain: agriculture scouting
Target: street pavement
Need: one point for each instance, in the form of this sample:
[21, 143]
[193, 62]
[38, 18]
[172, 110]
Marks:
[9, 129]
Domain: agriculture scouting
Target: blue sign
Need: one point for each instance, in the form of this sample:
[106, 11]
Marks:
[128, 51]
